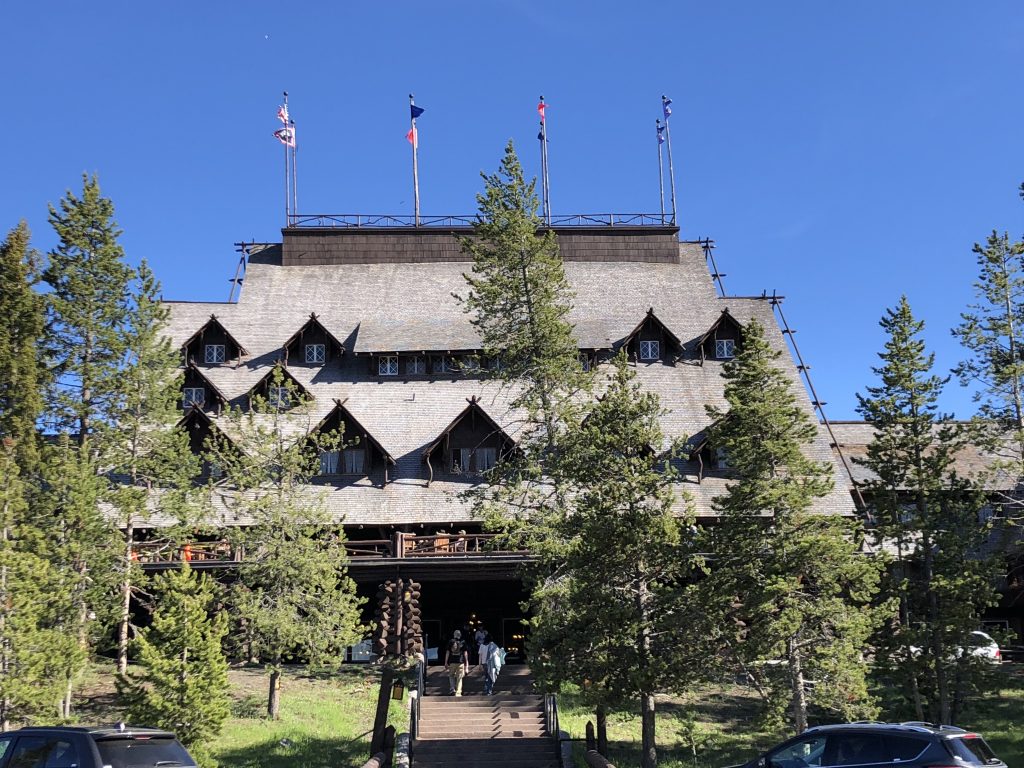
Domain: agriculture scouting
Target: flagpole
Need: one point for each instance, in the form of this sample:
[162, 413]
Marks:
[544, 172]
[287, 183]
[661, 169]
[667, 110]
[415, 164]
[295, 172]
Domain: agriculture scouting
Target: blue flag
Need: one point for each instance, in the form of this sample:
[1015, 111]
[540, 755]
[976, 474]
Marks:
[666, 106]
[416, 111]
[661, 133]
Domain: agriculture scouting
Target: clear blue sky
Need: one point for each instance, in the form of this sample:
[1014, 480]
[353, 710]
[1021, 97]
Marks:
[840, 153]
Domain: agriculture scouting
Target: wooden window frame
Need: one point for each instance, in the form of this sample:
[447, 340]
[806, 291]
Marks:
[723, 344]
[188, 396]
[211, 359]
[649, 357]
[385, 363]
[316, 360]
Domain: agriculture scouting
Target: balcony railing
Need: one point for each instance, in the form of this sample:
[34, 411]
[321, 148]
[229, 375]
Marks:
[402, 545]
[390, 221]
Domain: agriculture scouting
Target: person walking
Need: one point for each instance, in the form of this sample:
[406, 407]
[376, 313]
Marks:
[480, 640]
[456, 659]
[492, 658]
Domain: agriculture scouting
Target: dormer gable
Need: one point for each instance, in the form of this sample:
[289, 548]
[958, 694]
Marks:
[201, 429]
[198, 391]
[469, 446]
[212, 345]
[652, 341]
[312, 345]
[722, 340]
[701, 449]
[279, 389]
[359, 453]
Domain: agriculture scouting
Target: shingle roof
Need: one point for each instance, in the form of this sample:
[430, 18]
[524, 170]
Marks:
[410, 307]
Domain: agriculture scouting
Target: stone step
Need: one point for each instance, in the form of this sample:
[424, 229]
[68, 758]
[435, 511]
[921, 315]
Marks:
[526, 746]
[486, 703]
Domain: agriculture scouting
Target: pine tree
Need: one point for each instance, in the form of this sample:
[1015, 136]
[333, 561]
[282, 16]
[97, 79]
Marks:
[930, 517]
[992, 332]
[614, 614]
[28, 641]
[87, 307]
[147, 452]
[519, 301]
[293, 597]
[180, 680]
[21, 310]
[790, 579]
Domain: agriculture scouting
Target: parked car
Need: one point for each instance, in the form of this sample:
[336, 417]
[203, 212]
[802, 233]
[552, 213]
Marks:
[979, 644]
[881, 745]
[114, 746]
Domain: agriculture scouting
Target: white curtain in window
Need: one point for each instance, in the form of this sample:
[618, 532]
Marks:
[354, 458]
[485, 458]
[329, 462]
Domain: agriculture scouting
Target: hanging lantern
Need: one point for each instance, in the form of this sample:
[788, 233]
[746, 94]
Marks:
[398, 691]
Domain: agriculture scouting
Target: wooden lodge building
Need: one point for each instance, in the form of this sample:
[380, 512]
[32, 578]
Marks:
[363, 321]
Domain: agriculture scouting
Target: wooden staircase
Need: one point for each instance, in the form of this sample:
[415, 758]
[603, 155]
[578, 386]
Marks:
[504, 730]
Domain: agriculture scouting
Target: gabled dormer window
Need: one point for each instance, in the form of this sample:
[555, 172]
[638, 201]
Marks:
[651, 340]
[387, 365]
[725, 349]
[473, 460]
[722, 339]
[471, 445]
[214, 354]
[212, 345]
[650, 350]
[193, 397]
[358, 454]
[279, 397]
[316, 354]
[312, 344]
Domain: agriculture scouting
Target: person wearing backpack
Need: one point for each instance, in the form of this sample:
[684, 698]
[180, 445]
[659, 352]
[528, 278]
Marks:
[456, 659]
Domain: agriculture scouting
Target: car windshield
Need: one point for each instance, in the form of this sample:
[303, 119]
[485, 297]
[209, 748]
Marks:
[143, 753]
[973, 749]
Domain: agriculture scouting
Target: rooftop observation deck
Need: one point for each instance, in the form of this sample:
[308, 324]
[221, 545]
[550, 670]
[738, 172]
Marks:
[311, 239]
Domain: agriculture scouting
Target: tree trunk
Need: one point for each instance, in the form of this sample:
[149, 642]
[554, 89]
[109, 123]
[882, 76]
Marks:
[65, 702]
[5, 645]
[942, 714]
[274, 696]
[649, 755]
[602, 729]
[799, 702]
[124, 624]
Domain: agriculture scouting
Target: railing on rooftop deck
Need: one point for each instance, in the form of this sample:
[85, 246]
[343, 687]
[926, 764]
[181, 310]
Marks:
[401, 546]
[360, 220]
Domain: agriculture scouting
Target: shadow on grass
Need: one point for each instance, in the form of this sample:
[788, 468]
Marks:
[308, 753]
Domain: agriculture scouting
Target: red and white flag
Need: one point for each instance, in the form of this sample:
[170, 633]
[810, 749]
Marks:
[286, 136]
[282, 113]
[413, 137]
[540, 110]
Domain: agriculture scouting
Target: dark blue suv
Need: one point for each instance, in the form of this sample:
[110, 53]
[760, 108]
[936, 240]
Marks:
[115, 746]
[881, 745]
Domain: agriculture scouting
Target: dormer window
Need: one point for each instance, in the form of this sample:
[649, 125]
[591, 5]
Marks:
[473, 460]
[316, 354]
[214, 354]
[650, 350]
[721, 459]
[585, 362]
[725, 349]
[444, 364]
[387, 365]
[279, 397]
[470, 364]
[416, 365]
[347, 461]
[193, 396]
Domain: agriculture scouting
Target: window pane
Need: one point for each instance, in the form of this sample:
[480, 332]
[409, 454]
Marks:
[387, 365]
[806, 752]
[485, 458]
[972, 748]
[855, 749]
[215, 353]
[44, 752]
[316, 353]
[416, 365]
[279, 397]
[650, 350]
[194, 396]
[904, 747]
[354, 458]
[725, 349]
[129, 753]
[329, 462]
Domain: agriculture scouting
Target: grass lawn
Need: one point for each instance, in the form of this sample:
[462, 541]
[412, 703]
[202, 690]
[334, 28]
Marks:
[326, 718]
[719, 722]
